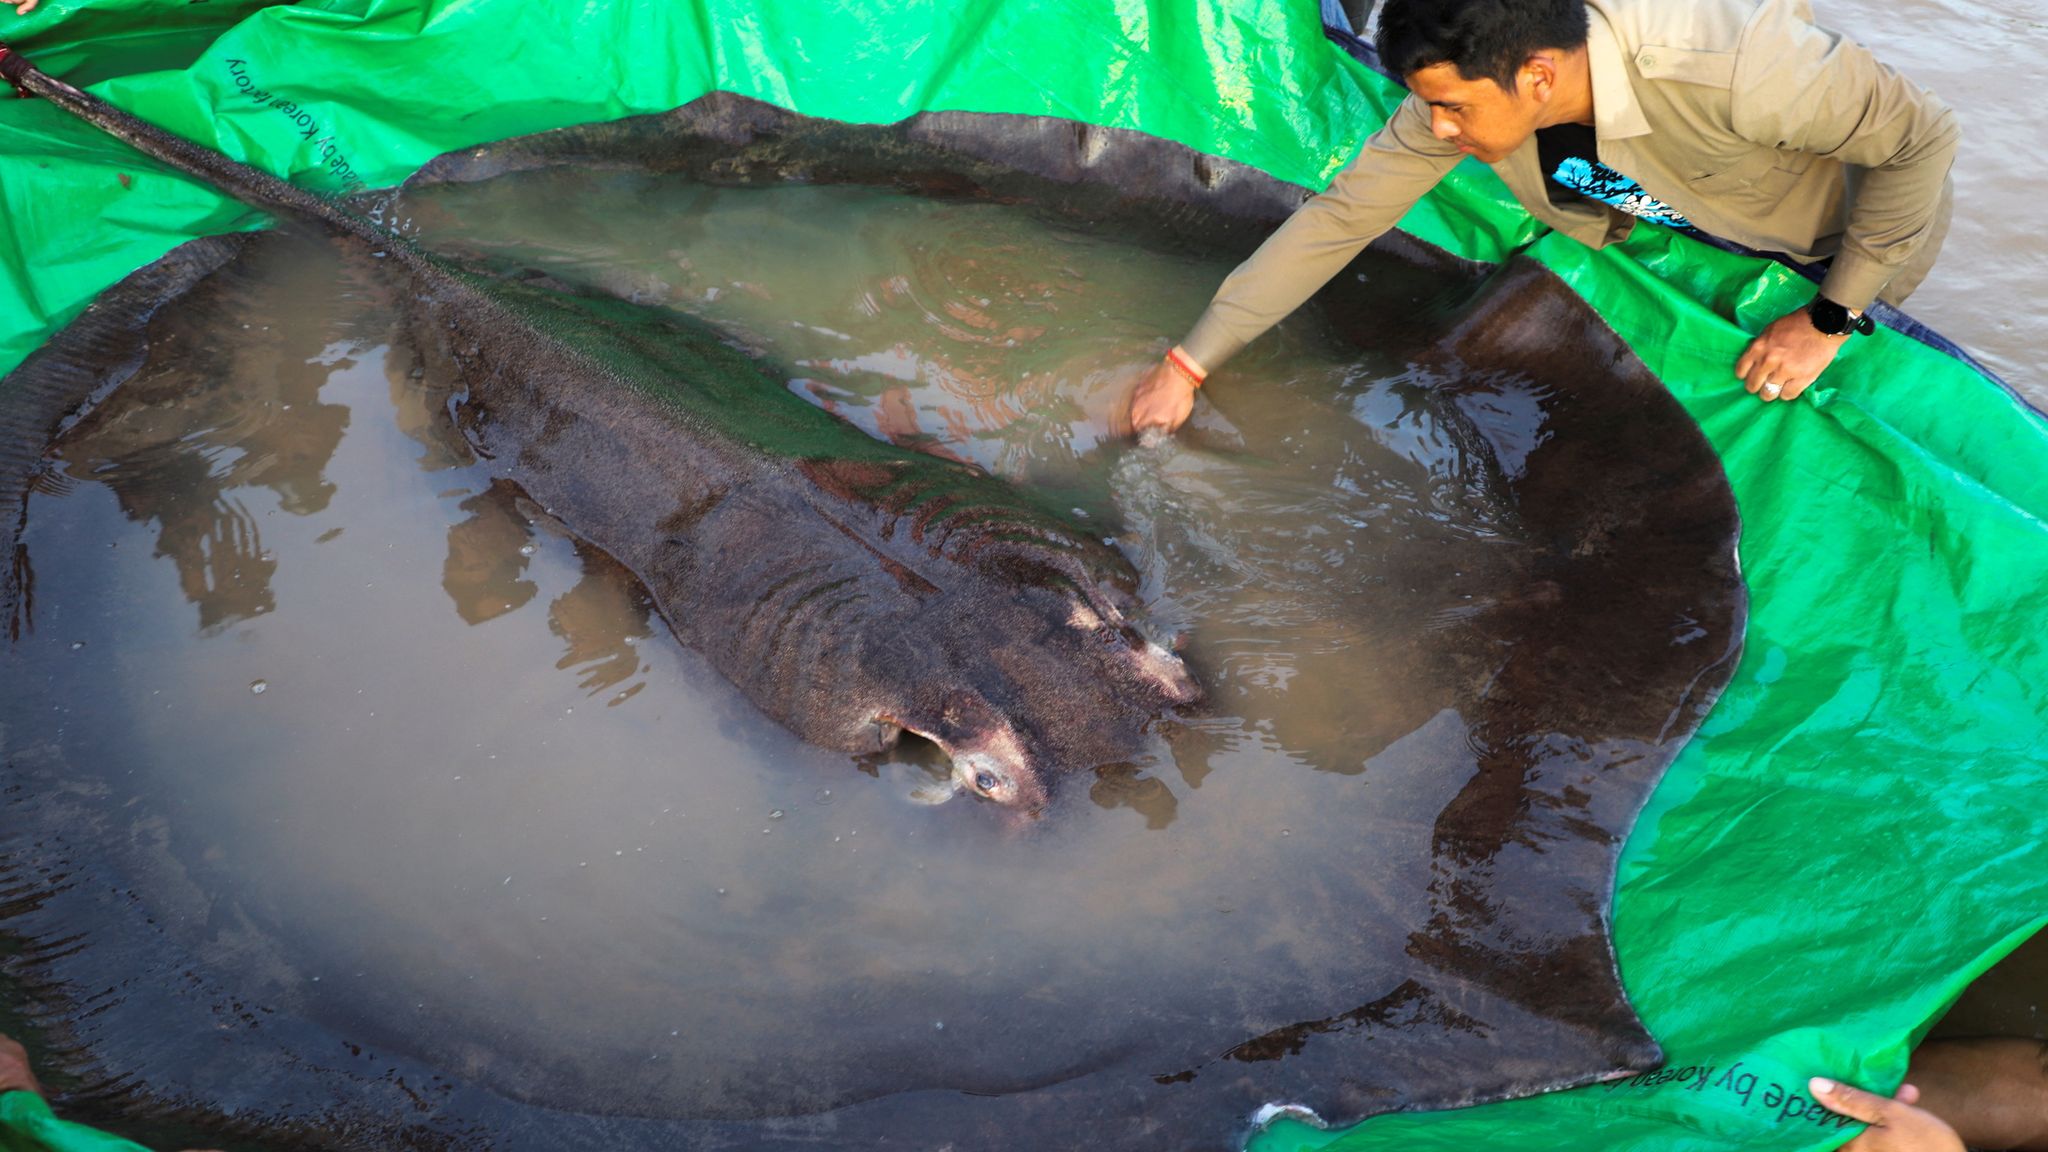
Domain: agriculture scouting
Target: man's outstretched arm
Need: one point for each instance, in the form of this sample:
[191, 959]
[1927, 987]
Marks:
[1397, 166]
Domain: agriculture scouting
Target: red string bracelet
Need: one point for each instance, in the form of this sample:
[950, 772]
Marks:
[1186, 367]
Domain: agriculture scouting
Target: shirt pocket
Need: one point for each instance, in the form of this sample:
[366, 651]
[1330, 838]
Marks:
[1762, 174]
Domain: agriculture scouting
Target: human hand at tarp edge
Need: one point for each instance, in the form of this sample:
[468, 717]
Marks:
[1163, 398]
[24, 7]
[17, 1076]
[1787, 357]
[15, 1073]
[1895, 1124]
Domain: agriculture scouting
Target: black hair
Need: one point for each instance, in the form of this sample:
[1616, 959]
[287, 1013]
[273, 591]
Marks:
[1484, 39]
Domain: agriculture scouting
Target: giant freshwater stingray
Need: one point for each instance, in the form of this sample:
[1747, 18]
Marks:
[851, 591]
[1472, 961]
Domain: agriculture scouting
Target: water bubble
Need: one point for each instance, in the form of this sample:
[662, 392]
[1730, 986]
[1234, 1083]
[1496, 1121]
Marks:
[77, 644]
[259, 687]
[824, 796]
[775, 815]
[939, 1025]
[721, 891]
[528, 549]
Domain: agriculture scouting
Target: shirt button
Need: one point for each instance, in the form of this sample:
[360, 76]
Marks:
[1647, 60]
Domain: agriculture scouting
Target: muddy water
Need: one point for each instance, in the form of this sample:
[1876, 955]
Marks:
[419, 791]
[1985, 292]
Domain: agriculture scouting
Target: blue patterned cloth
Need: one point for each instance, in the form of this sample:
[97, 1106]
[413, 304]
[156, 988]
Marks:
[1593, 179]
[1570, 154]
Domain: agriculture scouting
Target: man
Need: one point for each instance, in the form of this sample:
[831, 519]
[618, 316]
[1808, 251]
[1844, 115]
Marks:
[1736, 117]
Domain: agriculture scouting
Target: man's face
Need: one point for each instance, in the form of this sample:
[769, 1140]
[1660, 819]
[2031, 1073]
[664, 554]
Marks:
[1481, 117]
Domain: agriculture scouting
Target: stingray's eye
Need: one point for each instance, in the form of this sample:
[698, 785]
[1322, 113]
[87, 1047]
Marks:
[985, 780]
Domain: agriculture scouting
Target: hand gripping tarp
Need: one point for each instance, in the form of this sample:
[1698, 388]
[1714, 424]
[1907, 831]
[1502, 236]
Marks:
[1850, 839]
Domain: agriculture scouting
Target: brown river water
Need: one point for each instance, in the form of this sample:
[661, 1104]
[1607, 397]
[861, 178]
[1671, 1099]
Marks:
[1981, 56]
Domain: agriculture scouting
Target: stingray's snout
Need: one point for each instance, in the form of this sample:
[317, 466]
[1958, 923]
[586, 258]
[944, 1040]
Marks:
[1009, 782]
[990, 759]
[993, 763]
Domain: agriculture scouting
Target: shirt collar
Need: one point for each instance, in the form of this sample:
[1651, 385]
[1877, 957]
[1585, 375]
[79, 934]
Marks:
[1616, 114]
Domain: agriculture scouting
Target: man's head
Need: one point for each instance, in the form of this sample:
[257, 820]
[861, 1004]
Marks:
[1491, 70]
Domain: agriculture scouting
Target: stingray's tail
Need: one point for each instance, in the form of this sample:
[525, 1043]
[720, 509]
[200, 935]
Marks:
[258, 189]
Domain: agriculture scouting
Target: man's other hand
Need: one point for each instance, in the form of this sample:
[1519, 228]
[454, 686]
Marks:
[15, 1074]
[24, 7]
[1895, 1124]
[1787, 357]
[1162, 399]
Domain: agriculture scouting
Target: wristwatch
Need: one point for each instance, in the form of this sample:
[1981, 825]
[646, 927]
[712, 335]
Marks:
[1832, 319]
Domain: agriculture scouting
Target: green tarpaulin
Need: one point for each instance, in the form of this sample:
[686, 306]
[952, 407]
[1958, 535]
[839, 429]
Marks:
[1848, 842]
[27, 1125]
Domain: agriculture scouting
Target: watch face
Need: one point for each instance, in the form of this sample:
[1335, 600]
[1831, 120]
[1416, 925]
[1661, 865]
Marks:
[1831, 318]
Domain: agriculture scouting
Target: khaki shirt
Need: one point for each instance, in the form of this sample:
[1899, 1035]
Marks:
[1742, 115]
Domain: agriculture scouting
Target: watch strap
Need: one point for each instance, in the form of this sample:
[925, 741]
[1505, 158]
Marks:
[1832, 319]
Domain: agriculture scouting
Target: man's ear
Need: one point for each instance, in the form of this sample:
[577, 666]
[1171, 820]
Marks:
[1538, 75]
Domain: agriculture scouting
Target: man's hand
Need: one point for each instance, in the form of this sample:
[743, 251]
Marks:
[1162, 399]
[15, 1074]
[24, 7]
[1895, 1125]
[1786, 357]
